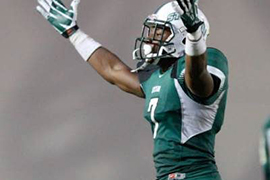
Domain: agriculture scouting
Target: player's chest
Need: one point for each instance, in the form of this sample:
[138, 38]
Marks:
[162, 98]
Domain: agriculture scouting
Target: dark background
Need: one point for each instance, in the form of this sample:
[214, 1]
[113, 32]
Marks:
[60, 121]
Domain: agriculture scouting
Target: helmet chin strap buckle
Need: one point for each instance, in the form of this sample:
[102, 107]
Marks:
[134, 54]
[142, 67]
[150, 57]
[145, 64]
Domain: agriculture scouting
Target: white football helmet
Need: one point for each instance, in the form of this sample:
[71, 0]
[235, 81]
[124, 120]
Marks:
[166, 17]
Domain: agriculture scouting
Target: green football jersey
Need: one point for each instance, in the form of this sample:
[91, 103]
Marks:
[183, 125]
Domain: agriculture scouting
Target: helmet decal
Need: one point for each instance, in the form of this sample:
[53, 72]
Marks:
[173, 16]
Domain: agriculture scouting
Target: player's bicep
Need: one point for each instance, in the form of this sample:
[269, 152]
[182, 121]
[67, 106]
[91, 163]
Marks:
[127, 81]
[113, 70]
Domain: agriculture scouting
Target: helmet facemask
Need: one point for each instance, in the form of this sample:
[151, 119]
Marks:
[151, 46]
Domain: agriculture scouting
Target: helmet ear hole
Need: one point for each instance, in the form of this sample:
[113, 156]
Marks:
[184, 41]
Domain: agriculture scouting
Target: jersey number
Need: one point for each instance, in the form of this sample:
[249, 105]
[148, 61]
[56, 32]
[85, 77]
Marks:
[151, 108]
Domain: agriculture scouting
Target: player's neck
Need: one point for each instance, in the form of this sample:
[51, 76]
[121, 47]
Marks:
[166, 63]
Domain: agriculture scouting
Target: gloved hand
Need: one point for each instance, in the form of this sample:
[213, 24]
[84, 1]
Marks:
[62, 19]
[189, 14]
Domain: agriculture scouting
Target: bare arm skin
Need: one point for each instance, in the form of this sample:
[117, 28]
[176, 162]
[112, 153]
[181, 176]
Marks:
[198, 80]
[113, 70]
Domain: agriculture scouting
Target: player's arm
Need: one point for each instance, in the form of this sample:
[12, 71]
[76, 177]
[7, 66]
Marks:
[113, 70]
[108, 65]
[197, 78]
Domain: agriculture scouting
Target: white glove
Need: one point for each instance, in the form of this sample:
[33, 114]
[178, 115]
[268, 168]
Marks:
[62, 19]
[65, 22]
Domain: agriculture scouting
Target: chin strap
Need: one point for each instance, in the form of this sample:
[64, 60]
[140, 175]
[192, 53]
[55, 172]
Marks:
[150, 58]
[142, 67]
[147, 62]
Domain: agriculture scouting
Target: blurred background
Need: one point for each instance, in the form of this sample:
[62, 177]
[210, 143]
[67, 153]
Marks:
[60, 121]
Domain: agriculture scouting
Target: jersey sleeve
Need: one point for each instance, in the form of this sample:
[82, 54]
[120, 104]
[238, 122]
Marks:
[217, 66]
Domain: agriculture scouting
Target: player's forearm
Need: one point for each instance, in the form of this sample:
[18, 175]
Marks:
[196, 66]
[197, 78]
[98, 57]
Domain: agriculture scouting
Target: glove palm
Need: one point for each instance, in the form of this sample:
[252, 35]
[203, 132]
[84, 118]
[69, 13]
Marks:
[189, 14]
[62, 19]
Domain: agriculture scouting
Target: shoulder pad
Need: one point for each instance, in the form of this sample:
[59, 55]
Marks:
[147, 72]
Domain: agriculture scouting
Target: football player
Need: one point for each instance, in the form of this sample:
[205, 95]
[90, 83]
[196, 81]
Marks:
[183, 82]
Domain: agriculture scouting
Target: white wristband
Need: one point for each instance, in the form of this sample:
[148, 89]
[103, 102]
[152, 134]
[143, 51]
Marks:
[85, 45]
[195, 43]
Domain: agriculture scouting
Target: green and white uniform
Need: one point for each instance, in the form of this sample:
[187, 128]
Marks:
[183, 125]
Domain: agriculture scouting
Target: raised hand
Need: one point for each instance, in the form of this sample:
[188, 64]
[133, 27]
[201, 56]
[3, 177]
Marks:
[189, 14]
[62, 19]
